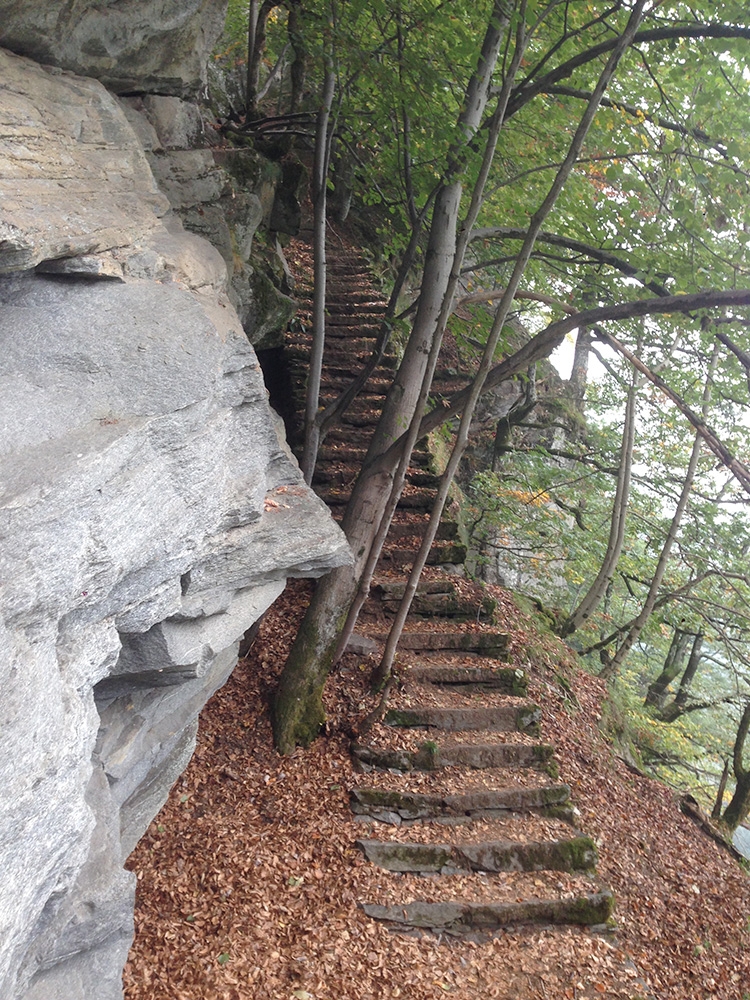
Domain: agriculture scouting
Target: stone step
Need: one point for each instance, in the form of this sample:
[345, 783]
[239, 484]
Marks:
[415, 499]
[475, 756]
[457, 918]
[509, 680]
[343, 298]
[341, 453]
[441, 554]
[333, 385]
[395, 588]
[447, 530]
[501, 718]
[492, 644]
[352, 326]
[387, 806]
[439, 605]
[354, 319]
[576, 854]
[345, 362]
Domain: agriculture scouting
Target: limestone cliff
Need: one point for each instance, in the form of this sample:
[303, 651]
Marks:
[149, 508]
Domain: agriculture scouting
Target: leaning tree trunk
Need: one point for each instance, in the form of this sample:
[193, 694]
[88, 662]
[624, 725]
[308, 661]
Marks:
[678, 705]
[634, 632]
[298, 708]
[413, 432]
[594, 595]
[716, 811]
[319, 189]
[256, 46]
[657, 689]
[739, 806]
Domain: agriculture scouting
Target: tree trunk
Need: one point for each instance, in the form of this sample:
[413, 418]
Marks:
[297, 42]
[657, 689]
[256, 44]
[716, 811]
[580, 371]
[593, 597]
[298, 710]
[319, 188]
[516, 415]
[677, 706]
[739, 806]
[633, 634]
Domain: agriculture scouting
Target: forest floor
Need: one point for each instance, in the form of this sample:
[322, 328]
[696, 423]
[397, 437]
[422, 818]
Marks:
[249, 880]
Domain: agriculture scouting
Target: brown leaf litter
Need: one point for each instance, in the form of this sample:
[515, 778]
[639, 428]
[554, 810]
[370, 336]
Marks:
[249, 880]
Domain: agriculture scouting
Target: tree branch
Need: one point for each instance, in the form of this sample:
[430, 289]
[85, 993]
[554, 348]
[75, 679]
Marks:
[528, 90]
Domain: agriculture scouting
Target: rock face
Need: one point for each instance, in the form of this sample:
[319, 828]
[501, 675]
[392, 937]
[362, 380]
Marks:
[153, 46]
[149, 508]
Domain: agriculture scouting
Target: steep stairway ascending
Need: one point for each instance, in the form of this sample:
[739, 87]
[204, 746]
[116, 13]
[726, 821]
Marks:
[354, 309]
[457, 769]
[484, 835]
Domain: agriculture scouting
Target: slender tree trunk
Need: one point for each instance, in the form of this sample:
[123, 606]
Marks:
[297, 42]
[256, 44]
[462, 436]
[298, 711]
[657, 689]
[718, 804]
[580, 371]
[593, 597]
[739, 805]
[676, 707]
[517, 413]
[319, 188]
[633, 633]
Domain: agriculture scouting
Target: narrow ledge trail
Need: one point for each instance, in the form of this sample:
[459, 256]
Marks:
[473, 843]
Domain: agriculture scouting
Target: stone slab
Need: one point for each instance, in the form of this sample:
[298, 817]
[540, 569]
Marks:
[502, 718]
[471, 755]
[468, 918]
[571, 855]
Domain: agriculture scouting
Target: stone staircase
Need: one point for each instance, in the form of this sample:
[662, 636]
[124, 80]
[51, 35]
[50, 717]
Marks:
[462, 809]
[354, 310]
[472, 796]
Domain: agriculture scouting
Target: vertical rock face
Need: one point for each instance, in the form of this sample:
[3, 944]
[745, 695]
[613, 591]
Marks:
[149, 513]
[156, 46]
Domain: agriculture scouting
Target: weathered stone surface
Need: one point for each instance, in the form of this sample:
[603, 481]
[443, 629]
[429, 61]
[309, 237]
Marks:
[494, 644]
[502, 718]
[391, 806]
[150, 511]
[471, 755]
[73, 177]
[436, 599]
[574, 854]
[508, 680]
[469, 918]
[212, 192]
[159, 46]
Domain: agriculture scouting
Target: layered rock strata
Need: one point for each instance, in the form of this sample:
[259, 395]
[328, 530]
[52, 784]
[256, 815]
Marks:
[150, 512]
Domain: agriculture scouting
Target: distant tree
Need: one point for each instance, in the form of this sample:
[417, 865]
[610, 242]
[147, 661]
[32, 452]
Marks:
[739, 806]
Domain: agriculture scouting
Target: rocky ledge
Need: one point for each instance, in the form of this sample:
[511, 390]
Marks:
[150, 512]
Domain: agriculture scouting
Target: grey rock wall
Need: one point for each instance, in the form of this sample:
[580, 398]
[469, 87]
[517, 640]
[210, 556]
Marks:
[143, 46]
[149, 512]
